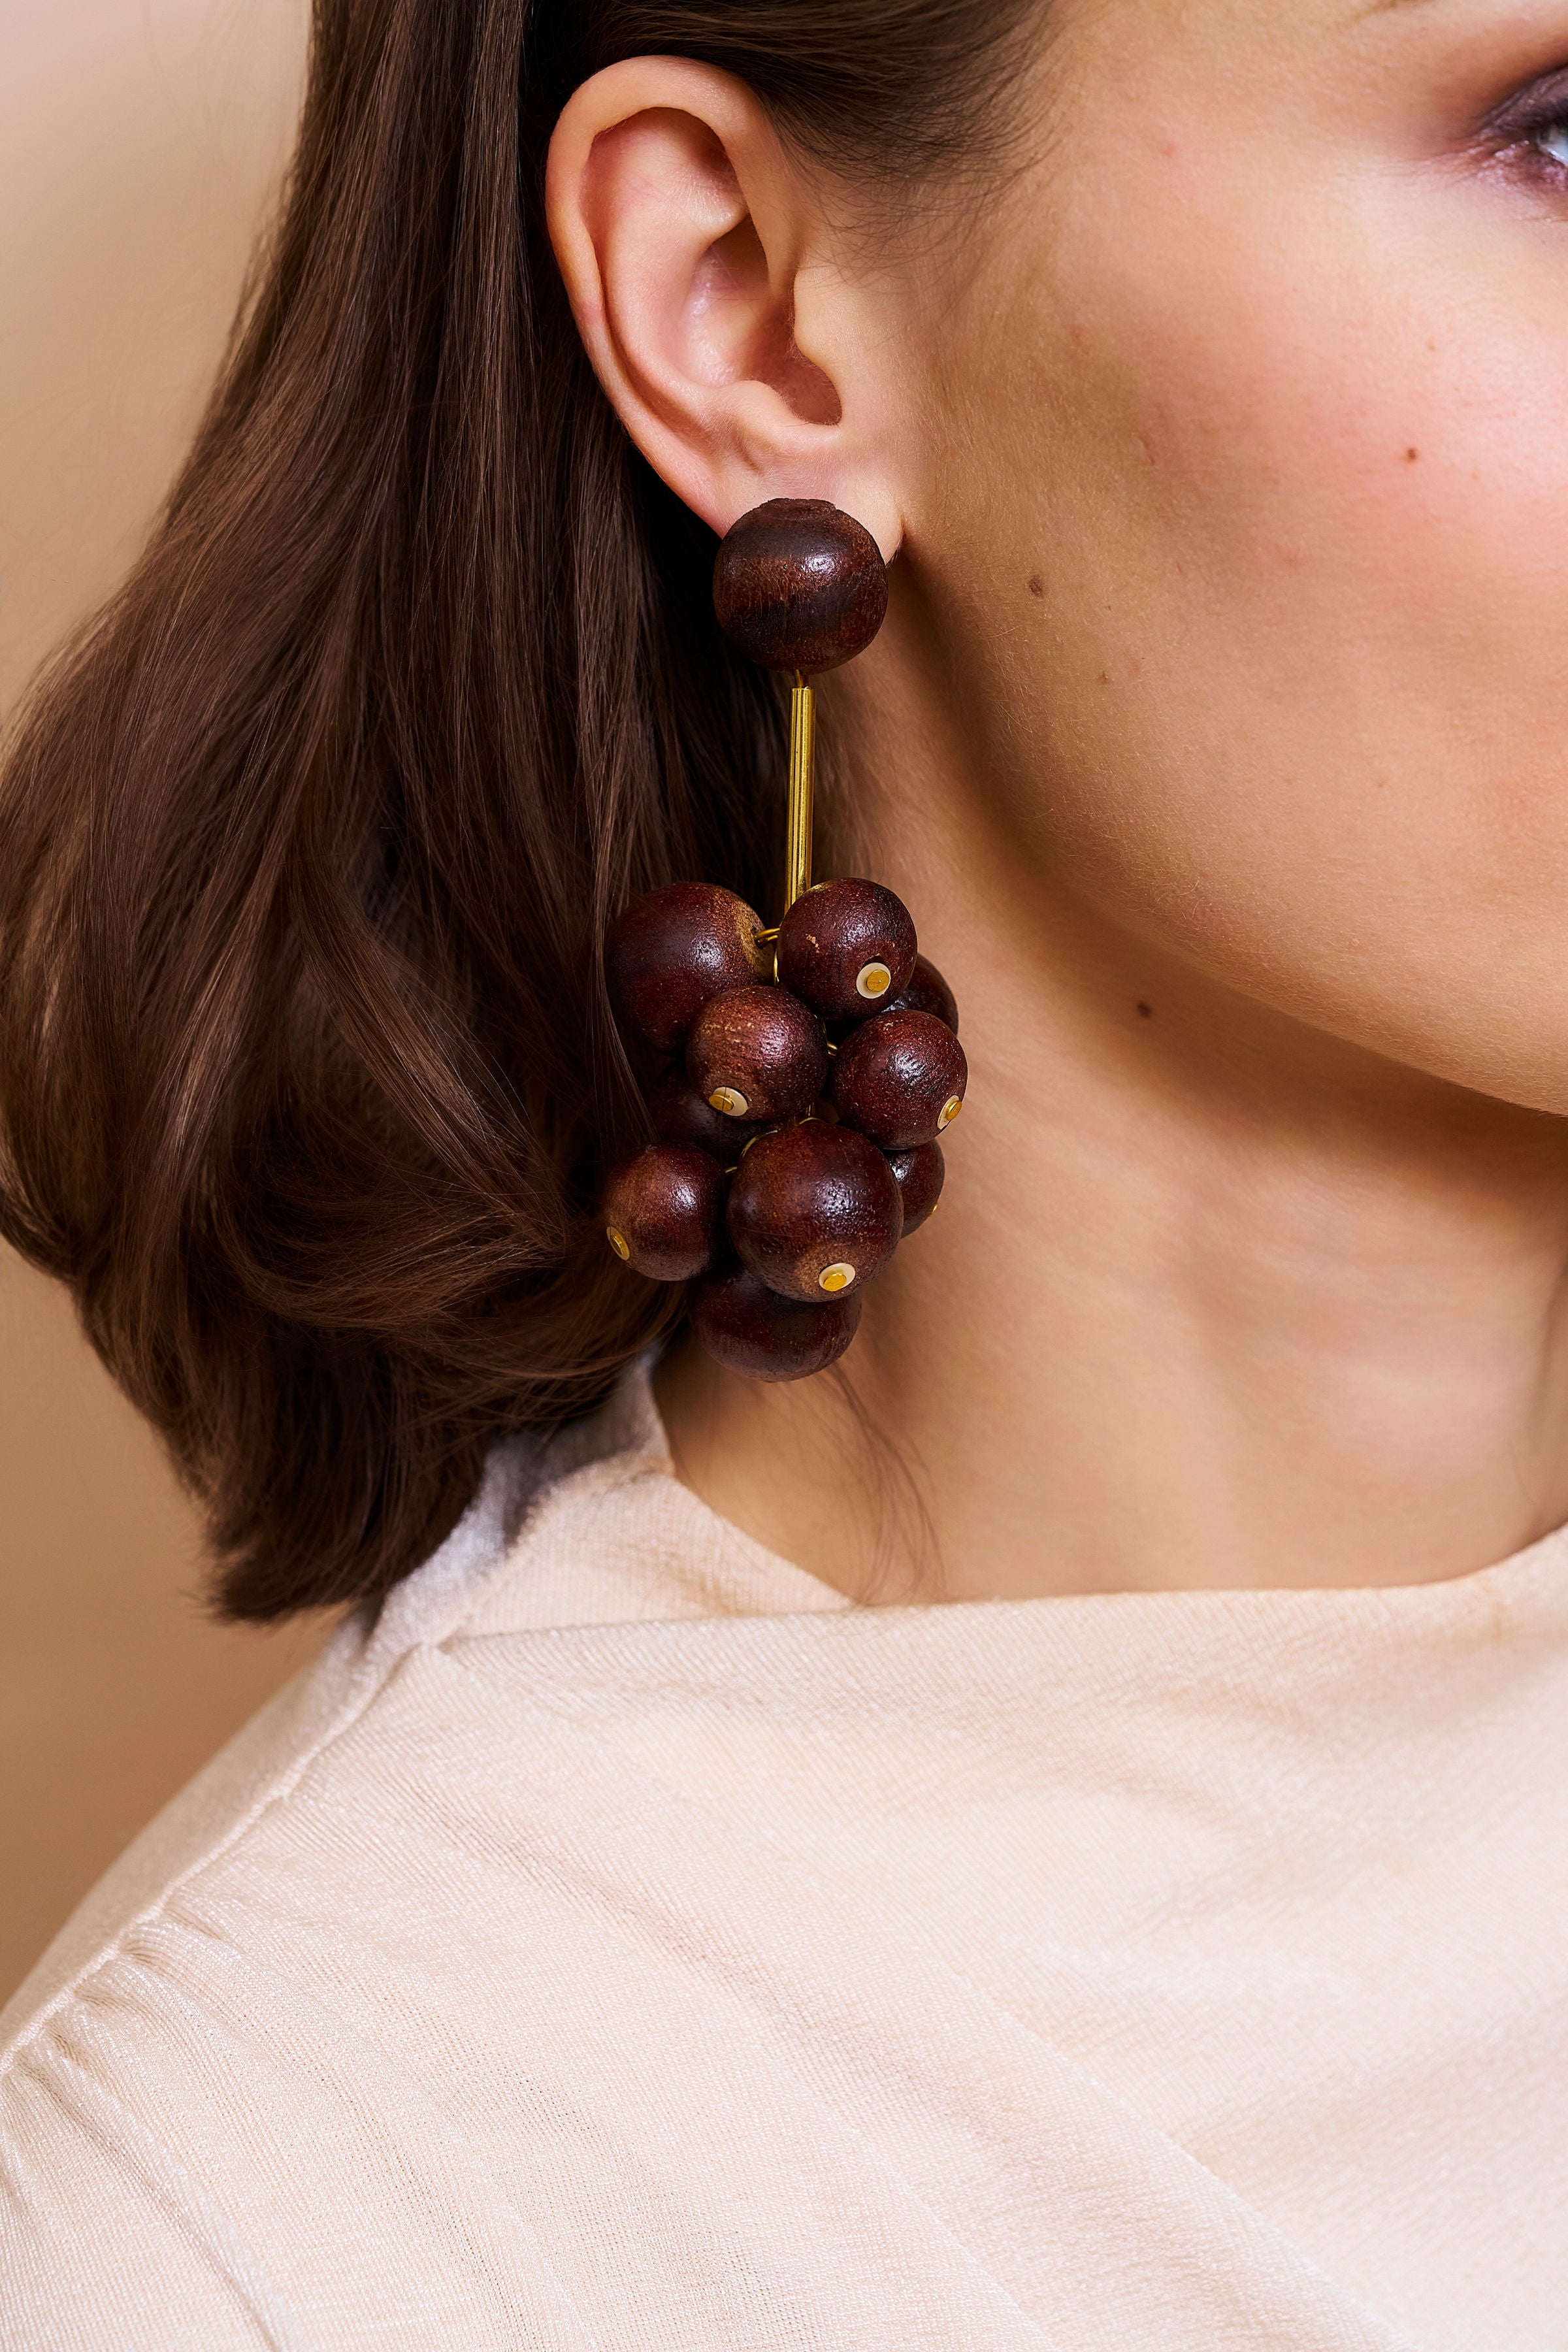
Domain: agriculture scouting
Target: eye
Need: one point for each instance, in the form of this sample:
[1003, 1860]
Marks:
[1531, 127]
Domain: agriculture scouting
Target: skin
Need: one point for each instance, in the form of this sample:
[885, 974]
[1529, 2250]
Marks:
[1213, 738]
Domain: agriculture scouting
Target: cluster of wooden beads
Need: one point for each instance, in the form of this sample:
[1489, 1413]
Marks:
[798, 1134]
[818, 1063]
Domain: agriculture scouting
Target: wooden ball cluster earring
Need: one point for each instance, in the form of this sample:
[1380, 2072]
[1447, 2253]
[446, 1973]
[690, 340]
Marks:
[814, 1064]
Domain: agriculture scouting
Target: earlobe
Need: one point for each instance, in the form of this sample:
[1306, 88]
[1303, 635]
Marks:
[684, 236]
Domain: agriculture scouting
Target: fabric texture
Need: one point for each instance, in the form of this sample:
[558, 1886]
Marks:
[625, 1945]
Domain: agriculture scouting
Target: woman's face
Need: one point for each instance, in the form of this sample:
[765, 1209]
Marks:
[1239, 500]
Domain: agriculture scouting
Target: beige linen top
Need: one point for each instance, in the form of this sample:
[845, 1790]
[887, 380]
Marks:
[628, 1946]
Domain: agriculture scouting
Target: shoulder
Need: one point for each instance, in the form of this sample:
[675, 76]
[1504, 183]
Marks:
[259, 1777]
[206, 2049]
[352, 2031]
[559, 1532]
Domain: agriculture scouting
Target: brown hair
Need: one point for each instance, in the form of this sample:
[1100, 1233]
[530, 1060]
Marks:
[308, 844]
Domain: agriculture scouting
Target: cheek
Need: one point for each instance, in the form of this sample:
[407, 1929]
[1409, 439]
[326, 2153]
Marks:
[1292, 489]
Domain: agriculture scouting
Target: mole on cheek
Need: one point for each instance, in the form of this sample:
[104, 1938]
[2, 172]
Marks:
[1411, 456]
[1145, 1013]
[1036, 585]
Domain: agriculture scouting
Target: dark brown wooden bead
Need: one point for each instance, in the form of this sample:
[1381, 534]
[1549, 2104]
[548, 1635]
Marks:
[681, 1115]
[662, 1211]
[927, 992]
[846, 949]
[899, 1078]
[757, 1054]
[799, 585]
[814, 1211]
[746, 1328]
[673, 949]
[920, 1175]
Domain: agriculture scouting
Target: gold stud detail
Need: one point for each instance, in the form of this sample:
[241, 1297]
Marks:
[730, 1101]
[617, 1242]
[836, 1277]
[948, 1111]
[873, 979]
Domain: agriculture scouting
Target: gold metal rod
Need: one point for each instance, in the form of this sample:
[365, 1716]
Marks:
[802, 766]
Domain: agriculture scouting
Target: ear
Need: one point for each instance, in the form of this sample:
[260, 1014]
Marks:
[742, 358]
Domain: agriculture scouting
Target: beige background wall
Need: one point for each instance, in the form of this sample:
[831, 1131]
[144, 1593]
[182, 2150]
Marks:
[140, 140]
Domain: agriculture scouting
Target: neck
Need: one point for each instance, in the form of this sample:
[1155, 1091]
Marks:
[1212, 1300]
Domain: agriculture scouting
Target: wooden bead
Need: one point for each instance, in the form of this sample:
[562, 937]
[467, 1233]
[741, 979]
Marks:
[662, 1211]
[798, 584]
[757, 1054]
[747, 1329]
[681, 1115]
[899, 1078]
[847, 947]
[920, 1174]
[926, 992]
[673, 949]
[814, 1211]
